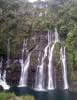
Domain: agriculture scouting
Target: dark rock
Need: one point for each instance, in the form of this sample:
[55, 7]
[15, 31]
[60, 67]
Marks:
[1, 88]
[13, 73]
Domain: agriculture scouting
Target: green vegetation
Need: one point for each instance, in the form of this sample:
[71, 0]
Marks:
[12, 96]
[19, 21]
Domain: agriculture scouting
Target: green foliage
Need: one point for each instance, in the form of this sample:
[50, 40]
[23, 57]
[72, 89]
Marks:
[6, 96]
[19, 21]
[72, 52]
[12, 96]
[27, 98]
[57, 53]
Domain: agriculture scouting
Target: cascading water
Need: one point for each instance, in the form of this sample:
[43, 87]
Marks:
[37, 71]
[22, 80]
[3, 82]
[51, 85]
[39, 82]
[63, 61]
[50, 77]
[50, 69]
[56, 36]
[24, 66]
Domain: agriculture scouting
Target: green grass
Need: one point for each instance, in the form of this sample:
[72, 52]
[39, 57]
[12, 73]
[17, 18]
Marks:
[12, 96]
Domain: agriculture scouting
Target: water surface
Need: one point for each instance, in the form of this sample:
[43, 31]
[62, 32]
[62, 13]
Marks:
[50, 95]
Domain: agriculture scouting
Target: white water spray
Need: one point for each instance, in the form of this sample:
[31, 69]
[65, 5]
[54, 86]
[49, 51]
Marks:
[3, 82]
[24, 66]
[63, 61]
[56, 36]
[51, 85]
[39, 82]
[50, 69]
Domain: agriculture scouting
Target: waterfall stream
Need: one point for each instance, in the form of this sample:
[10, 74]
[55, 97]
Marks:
[24, 71]
[48, 53]
[50, 69]
[40, 74]
[3, 82]
[40, 77]
[51, 84]
[24, 66]
[39, 82]
[63, 61]
[56, 36]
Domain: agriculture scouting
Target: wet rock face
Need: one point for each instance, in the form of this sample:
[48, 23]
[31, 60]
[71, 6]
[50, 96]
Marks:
[73, 86]
[35, 44]
[13, 73]
[57, 66]
[37, 41]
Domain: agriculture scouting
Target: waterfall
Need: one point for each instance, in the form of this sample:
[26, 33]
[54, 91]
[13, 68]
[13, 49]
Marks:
[51, 85]
[56, 36]
[50, 69]
[63, 61]
[24, 66]
[39, 82]
[3, 82]
[50, 76]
